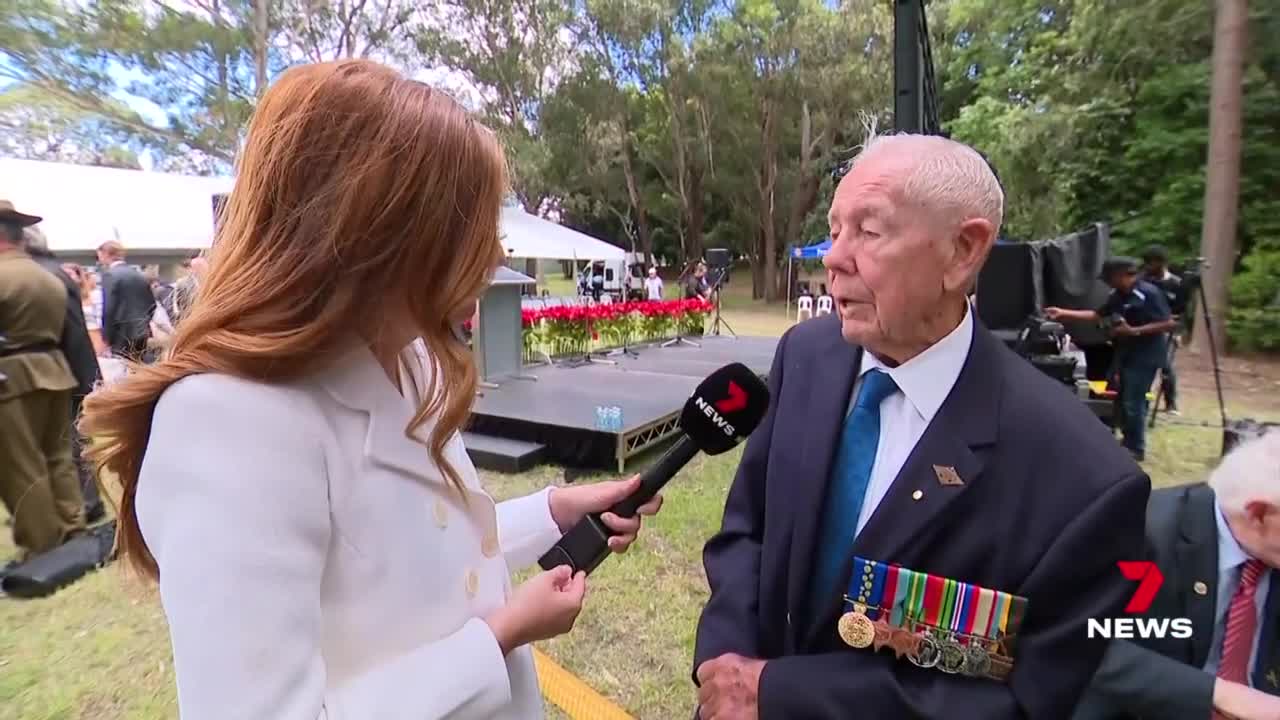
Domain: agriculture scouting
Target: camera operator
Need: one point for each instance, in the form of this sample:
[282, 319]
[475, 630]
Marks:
[1155, 270]
[696, 285]
[1137, 315]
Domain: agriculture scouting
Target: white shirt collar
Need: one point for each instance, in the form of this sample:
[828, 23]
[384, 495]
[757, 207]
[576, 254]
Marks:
[1230, 554]
[927, 378]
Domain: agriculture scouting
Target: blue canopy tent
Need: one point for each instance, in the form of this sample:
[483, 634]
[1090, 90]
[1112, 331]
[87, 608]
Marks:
[811, 252]
[806, 252]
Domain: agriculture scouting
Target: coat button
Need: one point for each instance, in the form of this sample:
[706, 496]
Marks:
[917, 495]
[489, 546]
[473, 583]
[442, 514]
[1201, 588]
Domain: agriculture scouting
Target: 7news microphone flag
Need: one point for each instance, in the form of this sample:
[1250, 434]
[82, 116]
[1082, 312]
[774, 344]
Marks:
[724, 409]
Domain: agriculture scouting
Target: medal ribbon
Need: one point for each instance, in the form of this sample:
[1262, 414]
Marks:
[888, 594]
[983, 612]
[1001, 615]
[857, 593]
[875, 599]
[902, 588]
[934, 595]
[957, 617]
[969, 617]
[915, 600]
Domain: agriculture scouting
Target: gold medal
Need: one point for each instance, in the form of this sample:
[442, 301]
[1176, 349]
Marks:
[856, 630]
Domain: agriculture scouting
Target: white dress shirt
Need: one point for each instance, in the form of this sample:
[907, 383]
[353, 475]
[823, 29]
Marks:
[923, 382]
[1231, 560]
[316, 564]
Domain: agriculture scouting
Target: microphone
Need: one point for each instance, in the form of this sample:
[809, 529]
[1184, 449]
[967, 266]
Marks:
[724, 409]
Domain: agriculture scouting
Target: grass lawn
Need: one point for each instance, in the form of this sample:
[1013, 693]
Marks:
[99, 648]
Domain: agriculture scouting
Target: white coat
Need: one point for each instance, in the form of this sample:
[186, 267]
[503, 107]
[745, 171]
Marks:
[315, 563]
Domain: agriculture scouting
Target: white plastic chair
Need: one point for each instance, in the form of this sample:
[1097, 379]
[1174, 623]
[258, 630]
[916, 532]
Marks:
[804, 307]
[824, 305]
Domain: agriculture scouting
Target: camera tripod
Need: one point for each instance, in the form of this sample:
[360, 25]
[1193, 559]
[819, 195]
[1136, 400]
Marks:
[719, 320]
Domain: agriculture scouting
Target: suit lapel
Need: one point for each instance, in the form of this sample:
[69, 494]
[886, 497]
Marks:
[1197, 553]
[1267, 674]
[966, 422]
[827, 400]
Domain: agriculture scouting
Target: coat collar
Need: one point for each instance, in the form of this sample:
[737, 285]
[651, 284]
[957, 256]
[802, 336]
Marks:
[966, 422]
[356, 380]
[1197, 551]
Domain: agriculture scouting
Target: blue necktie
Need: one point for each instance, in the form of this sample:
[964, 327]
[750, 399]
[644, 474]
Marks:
[849, 480]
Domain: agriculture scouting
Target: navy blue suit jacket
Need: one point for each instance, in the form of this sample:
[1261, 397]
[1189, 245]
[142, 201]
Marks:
[1049, 503]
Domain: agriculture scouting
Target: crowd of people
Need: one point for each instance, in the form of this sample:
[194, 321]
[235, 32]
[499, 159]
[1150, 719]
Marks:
[64, 328]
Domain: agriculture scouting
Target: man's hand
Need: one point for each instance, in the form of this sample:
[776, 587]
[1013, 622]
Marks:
[1053, 313]
[1123, 329]
[729, 688]
[1240, 702]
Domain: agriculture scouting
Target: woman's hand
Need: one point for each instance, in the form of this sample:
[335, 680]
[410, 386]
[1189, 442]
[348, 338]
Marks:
[570, 504]
[544, 606]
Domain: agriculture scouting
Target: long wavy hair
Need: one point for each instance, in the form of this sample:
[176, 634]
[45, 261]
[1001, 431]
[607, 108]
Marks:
[360, 195]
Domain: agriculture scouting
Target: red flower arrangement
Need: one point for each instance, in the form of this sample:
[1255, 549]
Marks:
[568, 329]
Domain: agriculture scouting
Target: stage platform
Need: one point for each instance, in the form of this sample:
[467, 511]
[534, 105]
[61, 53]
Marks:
[556, 408]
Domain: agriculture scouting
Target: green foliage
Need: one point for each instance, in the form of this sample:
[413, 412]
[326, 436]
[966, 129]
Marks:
[1093, 111]
[677, 125]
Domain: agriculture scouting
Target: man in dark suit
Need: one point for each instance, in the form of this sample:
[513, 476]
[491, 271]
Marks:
[127, 304]
[78, 349]
[958, 463]
[1218, 547]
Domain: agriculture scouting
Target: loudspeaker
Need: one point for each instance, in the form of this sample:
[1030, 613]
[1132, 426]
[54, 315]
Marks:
[719, 258]
[1006, 286]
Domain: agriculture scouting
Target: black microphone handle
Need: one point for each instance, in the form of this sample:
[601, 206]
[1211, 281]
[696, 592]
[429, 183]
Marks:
[657, 475]
[586, 545]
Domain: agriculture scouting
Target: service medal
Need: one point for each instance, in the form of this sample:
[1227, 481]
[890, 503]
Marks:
[924, 653]
[856, 630]
[977, 662]
[952, 660]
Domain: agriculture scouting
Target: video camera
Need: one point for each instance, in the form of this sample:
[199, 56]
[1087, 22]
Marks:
[1044, 344]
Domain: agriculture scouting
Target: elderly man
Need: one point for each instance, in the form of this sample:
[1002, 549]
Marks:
[1218, 548]
[38, 482]
[923, 523]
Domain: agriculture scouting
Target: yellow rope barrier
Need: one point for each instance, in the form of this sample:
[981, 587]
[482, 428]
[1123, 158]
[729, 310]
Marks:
[564, 690]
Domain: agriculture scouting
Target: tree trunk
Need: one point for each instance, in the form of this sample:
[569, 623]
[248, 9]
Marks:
[757, 267]
[637, 200]
[1222, 183]
[697, 214]
[767, 183]
[260, 31]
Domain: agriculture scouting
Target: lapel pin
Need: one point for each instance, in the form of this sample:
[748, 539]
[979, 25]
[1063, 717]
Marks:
[917, 495]
[947, 475]
[1200, 588]
[1273, 678]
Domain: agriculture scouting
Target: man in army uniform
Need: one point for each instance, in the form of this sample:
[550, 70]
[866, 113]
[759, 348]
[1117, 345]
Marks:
[38, 481]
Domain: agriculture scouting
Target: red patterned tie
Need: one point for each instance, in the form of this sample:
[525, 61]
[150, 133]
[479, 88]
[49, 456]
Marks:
[1242, 625]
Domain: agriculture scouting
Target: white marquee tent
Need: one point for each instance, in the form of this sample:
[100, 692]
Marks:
[529, 236]
[85, 206]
